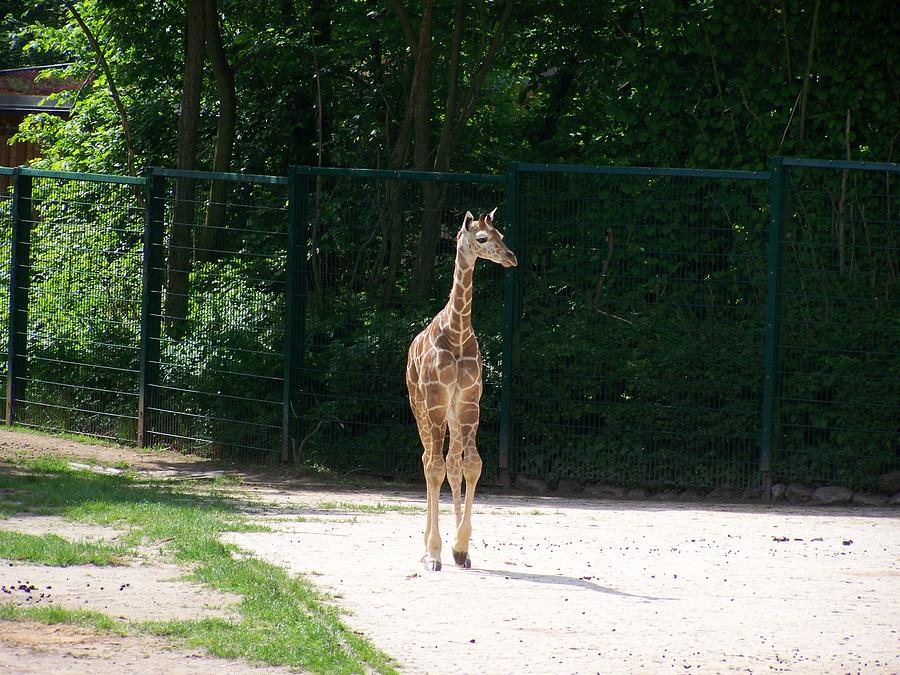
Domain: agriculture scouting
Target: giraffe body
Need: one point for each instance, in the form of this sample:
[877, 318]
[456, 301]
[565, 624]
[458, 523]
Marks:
[443, 376]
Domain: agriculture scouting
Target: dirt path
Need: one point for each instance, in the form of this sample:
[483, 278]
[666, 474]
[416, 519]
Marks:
[574, 586]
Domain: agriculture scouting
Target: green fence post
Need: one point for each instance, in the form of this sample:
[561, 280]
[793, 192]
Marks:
[151, 300]
[779, 181]
[295, 308]
[510, 314]
[19, 280]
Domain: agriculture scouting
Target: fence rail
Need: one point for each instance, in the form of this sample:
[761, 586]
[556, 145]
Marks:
[664, 326]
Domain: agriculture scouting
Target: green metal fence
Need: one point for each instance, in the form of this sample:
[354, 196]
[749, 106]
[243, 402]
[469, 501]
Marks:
[664, 326]
[74, 302]
[836, 353]
[214, 306]
[640, 336]
[6, 220]
[363, 307]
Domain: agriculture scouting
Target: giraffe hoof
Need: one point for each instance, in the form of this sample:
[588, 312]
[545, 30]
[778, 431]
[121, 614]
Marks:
[462, 559]
[432, 564]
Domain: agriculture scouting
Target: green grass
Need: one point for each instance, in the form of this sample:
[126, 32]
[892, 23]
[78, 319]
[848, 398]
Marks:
[51, 549]
[283, 620]
[53, 615]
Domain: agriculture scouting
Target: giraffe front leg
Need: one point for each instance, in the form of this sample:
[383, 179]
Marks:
[471, 470]
[435, 470]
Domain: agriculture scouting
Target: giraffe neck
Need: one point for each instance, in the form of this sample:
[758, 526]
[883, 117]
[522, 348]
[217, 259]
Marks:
[458, 313]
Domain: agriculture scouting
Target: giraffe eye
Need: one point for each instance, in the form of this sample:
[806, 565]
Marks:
[481, 238]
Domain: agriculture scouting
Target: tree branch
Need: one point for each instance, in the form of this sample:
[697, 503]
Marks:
[113, 90]
[804, 93]
[442, 158]
[409, 35]
[787, 44]
[474, 89]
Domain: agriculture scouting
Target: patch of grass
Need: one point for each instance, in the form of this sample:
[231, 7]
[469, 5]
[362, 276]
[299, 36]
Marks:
[46, 464]
[379, 508]
[284, 620]
[53, 615]
[51, 549]
[227, 480]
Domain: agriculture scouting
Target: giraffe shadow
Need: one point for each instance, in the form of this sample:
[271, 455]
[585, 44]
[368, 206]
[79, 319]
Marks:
[559, 580]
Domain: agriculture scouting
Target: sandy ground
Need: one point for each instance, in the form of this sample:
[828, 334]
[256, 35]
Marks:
[27, 647]
[557, 585]
[567, 586]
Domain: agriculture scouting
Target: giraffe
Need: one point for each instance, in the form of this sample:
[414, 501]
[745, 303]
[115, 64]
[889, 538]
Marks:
[443, 376]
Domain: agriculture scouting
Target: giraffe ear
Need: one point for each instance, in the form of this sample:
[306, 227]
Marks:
[468, 220]
[490, 217]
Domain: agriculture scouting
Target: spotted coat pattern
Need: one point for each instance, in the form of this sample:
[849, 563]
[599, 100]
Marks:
[443, 376]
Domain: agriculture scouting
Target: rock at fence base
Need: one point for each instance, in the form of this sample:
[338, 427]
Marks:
[870, 499]
[636, 493]
[531, 484]
[752, 494]
[797, 493]
[778, 491]
[889, 483]
[895, 500]
[568, 487]
[689, 496]
[832, 494]
[601, 491]
[725, 493]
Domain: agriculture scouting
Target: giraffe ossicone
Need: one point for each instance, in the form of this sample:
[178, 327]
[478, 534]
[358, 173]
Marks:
[443, 376]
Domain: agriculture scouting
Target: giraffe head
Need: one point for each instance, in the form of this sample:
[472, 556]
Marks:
[483, 240]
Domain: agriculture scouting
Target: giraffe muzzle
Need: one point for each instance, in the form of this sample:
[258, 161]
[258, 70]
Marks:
[510, 260]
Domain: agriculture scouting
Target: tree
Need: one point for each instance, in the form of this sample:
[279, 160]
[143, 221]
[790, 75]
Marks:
[418, 125]
[180, 245]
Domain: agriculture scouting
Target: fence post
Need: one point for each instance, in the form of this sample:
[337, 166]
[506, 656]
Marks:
[295, 308]
[151, 299]
[19, 281]
[780, 181]
[512, 279]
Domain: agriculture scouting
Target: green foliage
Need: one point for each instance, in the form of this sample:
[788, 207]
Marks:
[708, 84]
[643, 297]
[84, 306]
[640, 294]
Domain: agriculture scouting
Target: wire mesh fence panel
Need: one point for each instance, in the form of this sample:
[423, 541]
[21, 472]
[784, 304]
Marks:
[372, 285]
[838, 401]
[83, 275]
[6, 205]
[220, 370]
[640, 338]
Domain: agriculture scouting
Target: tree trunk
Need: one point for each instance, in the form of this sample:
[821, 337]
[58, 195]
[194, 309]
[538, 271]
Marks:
[320, 260]
[210, 238]
[180, 248]
[435, 194]
[420, 100]
[415, 128]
